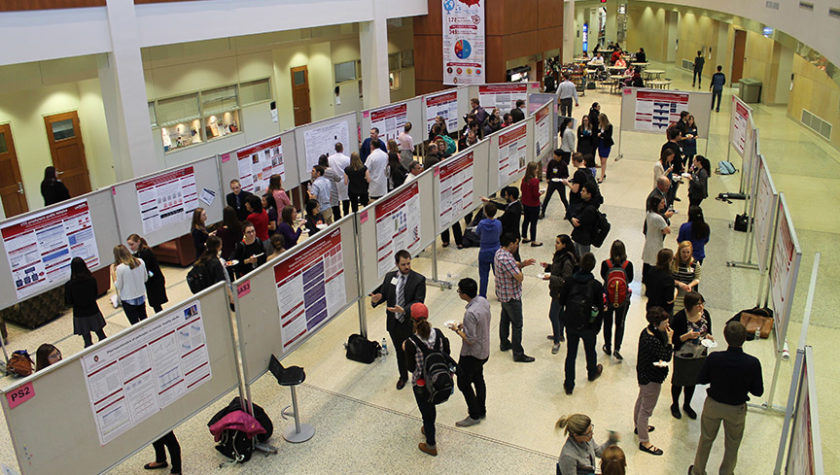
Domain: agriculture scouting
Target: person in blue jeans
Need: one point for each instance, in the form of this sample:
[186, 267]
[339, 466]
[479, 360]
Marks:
[718, 80]
[488, 230]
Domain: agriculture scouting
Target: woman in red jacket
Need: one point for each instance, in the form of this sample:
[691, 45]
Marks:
[531, 202]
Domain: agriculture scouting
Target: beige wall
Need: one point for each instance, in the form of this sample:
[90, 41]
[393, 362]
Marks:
[645, 29]
[815, 91]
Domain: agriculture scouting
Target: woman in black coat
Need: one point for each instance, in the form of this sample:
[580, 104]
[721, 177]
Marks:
[659, 283]
[81, 292]
[691, 326]
[156, 284]
[52, 189]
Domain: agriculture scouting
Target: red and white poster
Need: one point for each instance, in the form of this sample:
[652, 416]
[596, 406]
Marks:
[513, 147]
[389, 120]
[256, 164]
[397, 226]
[444, 105]
[542, 135]
[786, 257]
[739, 123]
[765, 206]
[502, 96]
[39, 247]
[167, 199]
[310, 287]
[656, 111]
[463, 41]
[456, 187]
[134, 376]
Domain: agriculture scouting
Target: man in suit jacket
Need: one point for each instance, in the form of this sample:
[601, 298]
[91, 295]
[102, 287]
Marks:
[236, 199]
[517, 113]
[400, 289]
[364, 150]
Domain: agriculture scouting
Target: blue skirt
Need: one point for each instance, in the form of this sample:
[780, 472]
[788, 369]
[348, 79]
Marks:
[603, 151]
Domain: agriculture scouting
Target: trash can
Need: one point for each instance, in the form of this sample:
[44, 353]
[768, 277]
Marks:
[750, 90]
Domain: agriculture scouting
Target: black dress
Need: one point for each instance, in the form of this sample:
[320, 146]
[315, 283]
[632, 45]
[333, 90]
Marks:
[156, 285]
[659, 287]
[81, 293]
[243, 251]
[54, 192]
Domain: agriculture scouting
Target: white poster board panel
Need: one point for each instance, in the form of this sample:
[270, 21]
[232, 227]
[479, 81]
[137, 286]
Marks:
[61, 401]
[805, 454]
[231, 168]
[545, 138]
[167, 199]
[455, 184]
[784, 270]
[766, 198]
[313, 140]
[653, 110]
[739, 123]
[256, 163]
[512, 152]
[443, 104]
[502, 96]
[391, 119]
[464, 43]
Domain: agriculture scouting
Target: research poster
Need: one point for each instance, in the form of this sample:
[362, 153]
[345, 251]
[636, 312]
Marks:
[542, 135]
[397, 226]
[502, 96]
[135, 376]
[321, 139]
[310, 287]
[389, 120]
[167, 199]
[258, 162]
[39, 247]
[463, 41]
[786, 256]
[456, 187]
[740, 122]
[656, 111]
[765, 206]
[445, 105]
[513, 148]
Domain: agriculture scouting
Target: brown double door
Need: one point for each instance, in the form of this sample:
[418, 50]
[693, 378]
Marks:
[300, 95]
[738, 52]
[68, 151]
[11, 185]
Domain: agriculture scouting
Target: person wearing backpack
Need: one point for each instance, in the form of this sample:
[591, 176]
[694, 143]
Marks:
[558, 272]
[583, 297]
[617, 273]
[423, 352]
[208, 269]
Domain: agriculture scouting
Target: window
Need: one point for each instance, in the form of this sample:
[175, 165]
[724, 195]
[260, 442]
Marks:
[393, 61]
[408, 59]
[394, 80]
[63, 129]
[3, 147]
[345, 71]
[220, 108]
[152, 116]
[254, 91]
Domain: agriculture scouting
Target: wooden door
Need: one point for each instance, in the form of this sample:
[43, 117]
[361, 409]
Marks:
[11, 185]
[300, 95]
[738, 56]
[68, 152]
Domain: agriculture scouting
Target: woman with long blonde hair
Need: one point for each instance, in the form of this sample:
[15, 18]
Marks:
[130, 276]
[605, 143]
[686, 272]
[530, 187]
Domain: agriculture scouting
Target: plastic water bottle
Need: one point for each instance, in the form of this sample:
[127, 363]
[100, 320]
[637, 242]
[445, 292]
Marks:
[757, 334]
[384, 345]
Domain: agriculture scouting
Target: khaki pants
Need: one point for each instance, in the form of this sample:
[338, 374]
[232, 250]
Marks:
[328, 215]
[645, 403]
[733, 418]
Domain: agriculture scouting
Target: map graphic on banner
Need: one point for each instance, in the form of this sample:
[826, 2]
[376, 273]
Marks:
[397, 226]
[502, 96]
[321, 140]
[444, 105]
[658, 110]
[542, 122]
[135, 376]
[258, 162]
[513, 147]
[167, 199]
[456, 189]
[389, 120]
[310, 287]
[39, 248]
[463, 42]
[740, 122]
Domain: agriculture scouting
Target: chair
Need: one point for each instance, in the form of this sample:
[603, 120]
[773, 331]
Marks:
[291, 377]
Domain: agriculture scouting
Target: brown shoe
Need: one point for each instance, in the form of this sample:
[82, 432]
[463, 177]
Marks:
[425, 448]
[598, 370]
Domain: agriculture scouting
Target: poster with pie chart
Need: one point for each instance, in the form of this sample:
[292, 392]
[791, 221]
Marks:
[463, 41]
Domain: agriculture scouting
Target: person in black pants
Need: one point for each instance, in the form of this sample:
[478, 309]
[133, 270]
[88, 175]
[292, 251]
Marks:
[170, 442]
[357, 179]
[400, 289]
[475, 333]
[614, 266]
[659, 283]
[156, 285]
[556, 170]
[80, 292]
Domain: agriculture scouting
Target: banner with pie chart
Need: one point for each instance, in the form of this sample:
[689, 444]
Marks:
[463, 41]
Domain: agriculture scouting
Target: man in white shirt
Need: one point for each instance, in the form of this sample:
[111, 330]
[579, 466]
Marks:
[414, 169]
[338, 162]
[377, 164]
[598, 60]
[406, 145]
[567, 91]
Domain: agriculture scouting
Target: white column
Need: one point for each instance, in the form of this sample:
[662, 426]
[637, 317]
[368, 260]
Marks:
[124, 96]
[373, 39]
[569, 31]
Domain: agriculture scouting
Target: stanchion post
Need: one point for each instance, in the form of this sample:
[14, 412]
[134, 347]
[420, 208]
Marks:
[360, 279]
[443, 284]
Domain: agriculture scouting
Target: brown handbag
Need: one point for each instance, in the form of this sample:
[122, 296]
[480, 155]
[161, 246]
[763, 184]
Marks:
[760, 319]
[20, 363]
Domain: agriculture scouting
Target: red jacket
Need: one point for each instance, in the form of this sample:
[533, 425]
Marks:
[530, 192]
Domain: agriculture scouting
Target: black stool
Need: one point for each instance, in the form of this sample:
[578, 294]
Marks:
[291, 377]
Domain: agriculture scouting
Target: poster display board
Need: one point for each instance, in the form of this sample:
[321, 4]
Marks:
[443, 104]
[134, 376]
[766, 199]
[258, 162]
[167, 199]
[805, 453]
[464, 44]
[313, 140]
[538, 99]
[739, 123]
[40, 246]
[502, 96]
[455, 179]
[653, 110]
[513, 152]
[784, 269]
[543, 131]
[391, 119]
[397, 225]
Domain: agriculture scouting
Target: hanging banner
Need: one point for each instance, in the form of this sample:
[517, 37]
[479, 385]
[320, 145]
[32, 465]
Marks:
[463, 42]
[258, 162]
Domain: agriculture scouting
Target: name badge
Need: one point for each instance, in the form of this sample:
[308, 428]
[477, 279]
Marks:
[394, 281]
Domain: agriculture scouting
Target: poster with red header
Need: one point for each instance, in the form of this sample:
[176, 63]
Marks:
[656, 111]
[739, 123]
[513, 147]
[444, 105]
[542, 135]
[310, 287]
[464, 43]
[39, 247]
[397, 226]
[167, 199]
[456, 187]
[256, 163]
[502, 96]
[389, 120]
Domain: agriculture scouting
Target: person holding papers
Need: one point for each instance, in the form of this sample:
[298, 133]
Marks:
[250, 252]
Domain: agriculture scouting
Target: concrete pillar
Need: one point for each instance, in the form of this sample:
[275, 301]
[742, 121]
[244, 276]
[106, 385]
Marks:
[124, 96]
[373, 39]
[777, 89]
[672, 23]
[569, 31]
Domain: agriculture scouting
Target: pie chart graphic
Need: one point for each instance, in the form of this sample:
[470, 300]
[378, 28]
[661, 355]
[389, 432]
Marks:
[463, 49]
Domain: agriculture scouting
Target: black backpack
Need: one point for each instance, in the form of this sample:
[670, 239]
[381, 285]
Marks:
[235, 444]
[600, 231]
[580, 313]
[437, 369]
[198, 278]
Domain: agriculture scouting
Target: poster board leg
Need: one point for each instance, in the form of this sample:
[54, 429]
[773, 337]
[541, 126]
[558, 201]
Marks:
[435, 281]
[794, 383]
[360, 279]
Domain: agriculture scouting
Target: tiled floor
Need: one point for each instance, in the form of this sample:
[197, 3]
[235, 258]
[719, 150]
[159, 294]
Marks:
[363, 425]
